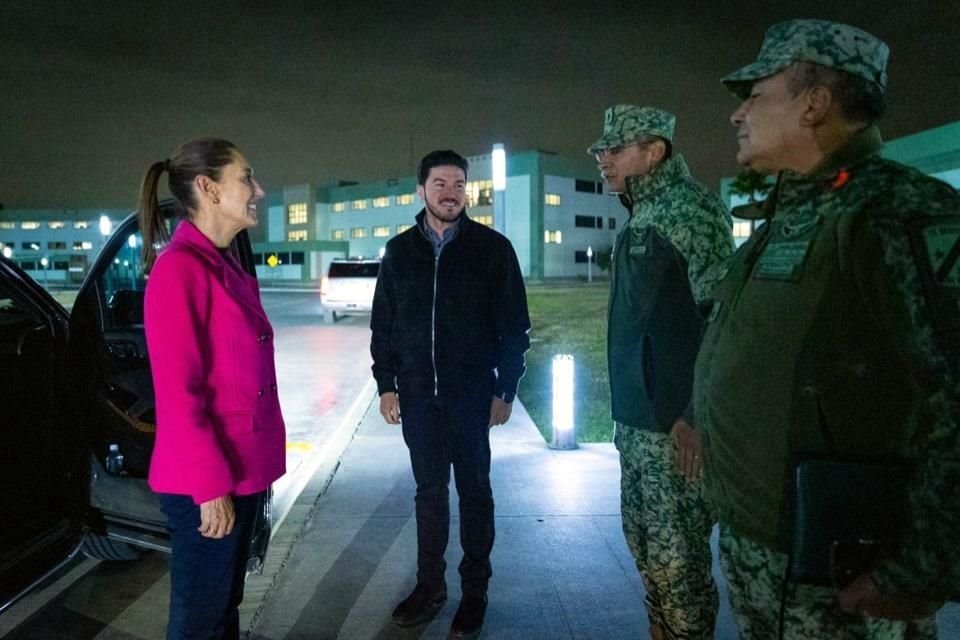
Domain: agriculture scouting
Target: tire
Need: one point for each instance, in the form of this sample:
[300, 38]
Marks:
[101, 547]
[329, 316]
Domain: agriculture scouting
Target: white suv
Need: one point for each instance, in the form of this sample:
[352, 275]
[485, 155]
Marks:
[348, 288]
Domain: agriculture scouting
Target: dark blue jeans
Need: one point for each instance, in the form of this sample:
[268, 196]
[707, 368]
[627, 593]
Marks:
[206, 575]
[440, 432]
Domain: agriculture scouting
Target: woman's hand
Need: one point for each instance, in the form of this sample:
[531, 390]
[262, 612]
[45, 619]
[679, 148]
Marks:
[217, 517]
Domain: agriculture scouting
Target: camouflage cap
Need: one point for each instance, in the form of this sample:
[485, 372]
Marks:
[831, 44]
[624, 123]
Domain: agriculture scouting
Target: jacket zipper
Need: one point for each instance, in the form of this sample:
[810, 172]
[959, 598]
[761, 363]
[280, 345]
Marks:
[433, 317]
[433, 328]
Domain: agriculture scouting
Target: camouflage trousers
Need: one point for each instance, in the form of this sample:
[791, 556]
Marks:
[755, 575]
[667, 526]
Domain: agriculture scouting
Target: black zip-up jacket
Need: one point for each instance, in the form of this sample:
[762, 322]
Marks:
[450, 325]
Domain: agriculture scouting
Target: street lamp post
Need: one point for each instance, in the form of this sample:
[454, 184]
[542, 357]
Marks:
[132, 243]
[589, 263]
[44, 262]
[499, 172]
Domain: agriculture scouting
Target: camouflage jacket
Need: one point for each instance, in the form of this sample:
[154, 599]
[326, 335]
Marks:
[694, 220]
[837, 333]
[666, 260]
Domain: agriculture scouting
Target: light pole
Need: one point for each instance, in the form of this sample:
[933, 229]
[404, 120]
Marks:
[7, 252]
[589, 263]
[44, 262]
[132, 243]
[105, 228]
[499, 172]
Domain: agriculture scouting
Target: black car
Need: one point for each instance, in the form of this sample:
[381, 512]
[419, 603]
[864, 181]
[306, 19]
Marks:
[77, 426]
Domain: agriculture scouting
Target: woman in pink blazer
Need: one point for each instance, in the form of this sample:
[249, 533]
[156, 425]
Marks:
[220, 434]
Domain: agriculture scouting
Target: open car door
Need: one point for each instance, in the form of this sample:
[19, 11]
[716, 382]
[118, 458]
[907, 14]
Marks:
[43, 469]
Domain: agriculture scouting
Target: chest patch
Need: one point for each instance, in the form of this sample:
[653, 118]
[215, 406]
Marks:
[941, 243]
[786, 253]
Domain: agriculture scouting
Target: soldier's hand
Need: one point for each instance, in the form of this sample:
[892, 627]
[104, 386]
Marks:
[499, 411]
[864, 596]
[390, 407]
[686, 442]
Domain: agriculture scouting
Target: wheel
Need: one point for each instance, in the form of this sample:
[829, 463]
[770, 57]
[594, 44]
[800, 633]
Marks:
[329, 316]
[100, 547]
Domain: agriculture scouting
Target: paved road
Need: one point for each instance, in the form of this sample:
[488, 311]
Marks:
[323, 376]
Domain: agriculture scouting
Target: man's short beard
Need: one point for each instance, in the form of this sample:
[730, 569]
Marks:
[436, 215]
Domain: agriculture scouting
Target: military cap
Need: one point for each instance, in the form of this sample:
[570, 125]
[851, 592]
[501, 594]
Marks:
[624, 123]
[831, 44]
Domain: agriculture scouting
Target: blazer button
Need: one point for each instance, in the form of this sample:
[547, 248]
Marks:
[273, 387]
[260, 392]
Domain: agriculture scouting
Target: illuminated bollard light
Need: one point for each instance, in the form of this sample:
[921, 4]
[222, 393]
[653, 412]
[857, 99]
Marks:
[564, 433]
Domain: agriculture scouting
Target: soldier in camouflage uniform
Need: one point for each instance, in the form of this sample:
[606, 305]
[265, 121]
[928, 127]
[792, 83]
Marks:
[834, 334]
[666, 260]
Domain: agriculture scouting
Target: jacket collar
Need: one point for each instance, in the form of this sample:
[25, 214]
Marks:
[463, 220]
[863, 144]
[237, 281]
[671, 171]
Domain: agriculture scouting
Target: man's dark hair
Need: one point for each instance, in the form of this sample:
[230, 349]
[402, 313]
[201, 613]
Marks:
[860, 99]
[441, 158]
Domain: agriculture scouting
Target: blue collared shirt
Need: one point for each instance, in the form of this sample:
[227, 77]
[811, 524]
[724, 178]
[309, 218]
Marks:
[436, 241]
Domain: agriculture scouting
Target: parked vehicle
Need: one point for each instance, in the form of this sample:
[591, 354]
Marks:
[78, 419]
[348, 288]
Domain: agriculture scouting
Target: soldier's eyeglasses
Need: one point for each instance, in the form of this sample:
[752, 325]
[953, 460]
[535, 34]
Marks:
[617, 150]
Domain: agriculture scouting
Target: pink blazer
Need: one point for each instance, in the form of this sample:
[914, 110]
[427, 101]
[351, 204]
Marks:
[219, 426]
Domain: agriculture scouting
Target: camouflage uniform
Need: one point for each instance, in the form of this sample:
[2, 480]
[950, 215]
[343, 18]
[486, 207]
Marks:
[854, 278]
[666, 260]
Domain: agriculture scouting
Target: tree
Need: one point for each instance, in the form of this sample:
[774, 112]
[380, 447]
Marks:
[603, 258]
[751, 184]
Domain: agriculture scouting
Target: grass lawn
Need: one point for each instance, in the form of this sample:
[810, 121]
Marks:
[569, 318]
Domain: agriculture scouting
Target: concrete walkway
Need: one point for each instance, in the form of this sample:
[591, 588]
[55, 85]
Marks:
[561, 567]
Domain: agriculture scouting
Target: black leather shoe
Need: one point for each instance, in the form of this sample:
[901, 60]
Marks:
[469, 619]
[419, 607]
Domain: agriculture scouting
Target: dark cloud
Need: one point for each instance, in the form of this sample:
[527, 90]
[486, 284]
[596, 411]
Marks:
[93, 92]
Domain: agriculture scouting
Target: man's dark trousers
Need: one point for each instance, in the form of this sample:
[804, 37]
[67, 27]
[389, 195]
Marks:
[440, 432]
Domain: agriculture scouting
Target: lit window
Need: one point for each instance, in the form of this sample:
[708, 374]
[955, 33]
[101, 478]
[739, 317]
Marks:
[57, 224]
[339, 206]
[81, 224]
[404, 199]
[297, 213]
[358, 232]
[552, 199]
[485, 220]
[82, 246]
[29, 225]
[381, 202]
[479, 193]
[741, 229]
[358, 205]
[336, 234]
[297, 236]
[552, 237]
[8, 225]
[403, 227]
[381, 232]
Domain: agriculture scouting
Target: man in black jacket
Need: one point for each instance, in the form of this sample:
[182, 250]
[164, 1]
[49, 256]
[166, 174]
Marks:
[449, 329]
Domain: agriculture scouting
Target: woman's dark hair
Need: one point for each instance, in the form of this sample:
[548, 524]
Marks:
[442, 158]
[201, 156]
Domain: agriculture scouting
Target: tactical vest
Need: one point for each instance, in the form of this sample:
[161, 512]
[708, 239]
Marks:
[793, 361]
[654, 329]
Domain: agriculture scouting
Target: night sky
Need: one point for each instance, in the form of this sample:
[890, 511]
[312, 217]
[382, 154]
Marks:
[92, 91]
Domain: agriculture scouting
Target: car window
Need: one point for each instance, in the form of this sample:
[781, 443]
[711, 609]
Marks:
[354, 269]
[123, 284]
